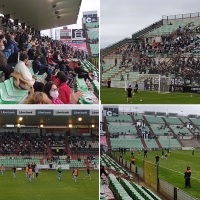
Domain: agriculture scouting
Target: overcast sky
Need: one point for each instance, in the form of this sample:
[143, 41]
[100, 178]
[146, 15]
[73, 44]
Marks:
[120, 18]
[86, 5]
[187, 109]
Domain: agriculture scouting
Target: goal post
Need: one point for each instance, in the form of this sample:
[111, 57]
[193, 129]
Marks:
[150, 82]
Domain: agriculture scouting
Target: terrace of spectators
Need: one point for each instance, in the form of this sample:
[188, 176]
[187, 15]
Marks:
[11, 95]
[174, 40]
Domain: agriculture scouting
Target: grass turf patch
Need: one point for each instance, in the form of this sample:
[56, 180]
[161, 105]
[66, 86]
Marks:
[48, 187]
[119, 96]
[172, 170]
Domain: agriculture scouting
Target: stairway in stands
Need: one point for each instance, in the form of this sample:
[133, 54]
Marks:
[67, 146]
[144, 143]
[152, 132]
[107, 135]
[187, 128]
[48, 149]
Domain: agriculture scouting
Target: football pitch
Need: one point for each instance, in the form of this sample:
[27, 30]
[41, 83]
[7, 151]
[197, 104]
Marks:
[119, 96]
[172, 170]
[48, 187]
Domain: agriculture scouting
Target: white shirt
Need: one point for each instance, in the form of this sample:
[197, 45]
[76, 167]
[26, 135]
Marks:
[24, 71]
[94, 75]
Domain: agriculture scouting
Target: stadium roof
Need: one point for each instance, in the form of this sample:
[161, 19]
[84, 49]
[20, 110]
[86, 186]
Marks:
[40, 14]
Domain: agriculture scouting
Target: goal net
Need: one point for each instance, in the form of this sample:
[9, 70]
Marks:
[151, 82]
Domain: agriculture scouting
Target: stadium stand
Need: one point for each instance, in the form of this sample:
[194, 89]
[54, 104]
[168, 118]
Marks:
[54, 56]
[121, 187]
[144, 131]
[169, 48]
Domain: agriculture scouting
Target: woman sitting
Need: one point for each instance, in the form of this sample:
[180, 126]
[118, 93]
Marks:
[64, 89]
[22, 68]
[51, 91]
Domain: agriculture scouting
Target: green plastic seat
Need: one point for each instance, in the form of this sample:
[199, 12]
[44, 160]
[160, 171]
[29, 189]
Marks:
[6, 98]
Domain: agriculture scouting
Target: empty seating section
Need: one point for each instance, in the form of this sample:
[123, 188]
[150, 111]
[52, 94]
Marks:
[120, 118]
[195, 121]
[155, 197]
[167, 29]
[88, 66]
[173, 143]
[144, 129]
[118, 188]
[138, 117]
[185, 120]
[18, 162]
[122, 129]
[154, 120]
[158, 131]
[110, 73]
[181, 130]
[94, 49]
[173, 120]
[73, 163]
[109, 162]
[93, 34]
[151, 143]
[92, 25]
[134, 192]
[126, 142]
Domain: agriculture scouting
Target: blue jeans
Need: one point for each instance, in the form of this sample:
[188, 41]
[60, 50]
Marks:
[75, 177]
[59, 176]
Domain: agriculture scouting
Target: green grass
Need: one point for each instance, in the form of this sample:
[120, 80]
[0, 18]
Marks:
[119, 96]
[172, 170]
[48, 187]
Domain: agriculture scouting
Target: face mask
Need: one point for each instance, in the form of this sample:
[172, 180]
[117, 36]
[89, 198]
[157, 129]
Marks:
[3, 47]
[54, 94]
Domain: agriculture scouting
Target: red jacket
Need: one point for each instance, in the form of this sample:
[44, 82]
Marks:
[64, 93]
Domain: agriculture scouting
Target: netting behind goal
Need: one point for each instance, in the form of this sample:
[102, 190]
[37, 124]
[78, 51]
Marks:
[151, 82]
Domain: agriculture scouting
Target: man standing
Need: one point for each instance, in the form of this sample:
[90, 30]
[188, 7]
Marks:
[133, 160]
[129, 95]
[145, 153]
[2, 170]
[14, 171]
[187, 175]
[109, 82]
[75, 174]
[157, 159]
[88, 173]
[162, 153]
[30, 171]
[36, 171]
[192, 152]
[136, 87]
[59, 173]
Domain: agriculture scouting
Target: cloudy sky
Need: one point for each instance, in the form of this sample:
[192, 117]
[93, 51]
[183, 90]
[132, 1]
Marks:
[186, 109]
[120, 18]
[86, 5]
